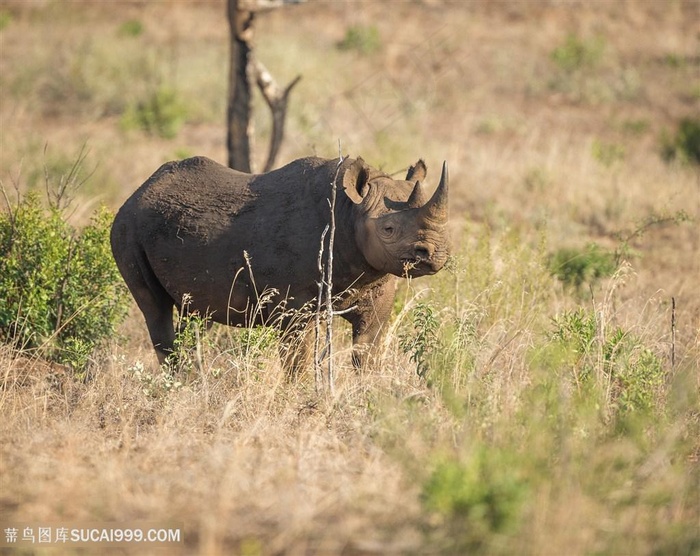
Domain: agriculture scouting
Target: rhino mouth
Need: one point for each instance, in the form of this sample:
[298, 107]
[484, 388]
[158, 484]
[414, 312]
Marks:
[417, 266]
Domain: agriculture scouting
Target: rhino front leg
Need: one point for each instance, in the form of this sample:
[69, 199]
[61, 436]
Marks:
[368, 320]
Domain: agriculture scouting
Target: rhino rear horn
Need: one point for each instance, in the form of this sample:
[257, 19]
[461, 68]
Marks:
[417, 198]
[436, 207]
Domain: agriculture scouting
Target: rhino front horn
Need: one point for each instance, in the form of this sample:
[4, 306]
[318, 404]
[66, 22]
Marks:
[436, 207]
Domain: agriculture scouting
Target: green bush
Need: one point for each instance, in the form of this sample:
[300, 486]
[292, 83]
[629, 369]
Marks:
[685, 144]
[5, 19]
[476, 499]
[194, 342]
[162, 114]
[585, 70]
[423, 338]
[131, 28]
[576, 267]
[362, 39]
[607, 154]
[616, 361]
[61, 289]
[190, 340]
[635, 126]
[577, 53]
[254, 343]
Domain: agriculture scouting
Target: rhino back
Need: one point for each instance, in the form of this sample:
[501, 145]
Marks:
[194, 220]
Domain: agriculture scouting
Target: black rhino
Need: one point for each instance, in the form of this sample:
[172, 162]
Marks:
[227, 238]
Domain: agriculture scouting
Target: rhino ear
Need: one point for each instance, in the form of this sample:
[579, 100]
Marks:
[417, 172]
[356, 181]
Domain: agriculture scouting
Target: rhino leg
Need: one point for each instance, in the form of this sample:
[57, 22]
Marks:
[154, 302]
[161, 330]
[373, 309]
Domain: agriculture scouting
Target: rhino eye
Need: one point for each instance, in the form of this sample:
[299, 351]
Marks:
[389, 229]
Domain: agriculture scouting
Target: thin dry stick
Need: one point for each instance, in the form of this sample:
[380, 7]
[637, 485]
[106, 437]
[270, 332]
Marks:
[8, 204]
[318, 378]
[325, 286]
[329, 280]
[673, 333]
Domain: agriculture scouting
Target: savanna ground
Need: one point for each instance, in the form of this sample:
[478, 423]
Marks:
[539, 397]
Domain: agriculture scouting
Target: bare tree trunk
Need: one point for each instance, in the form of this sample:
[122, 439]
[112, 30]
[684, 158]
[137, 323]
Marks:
[244, 70]
[240, 100]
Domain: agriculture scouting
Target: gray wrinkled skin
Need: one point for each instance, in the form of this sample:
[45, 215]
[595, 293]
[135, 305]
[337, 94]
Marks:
[188, 228]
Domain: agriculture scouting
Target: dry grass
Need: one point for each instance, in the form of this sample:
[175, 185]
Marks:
[539, 159]
[245, 456]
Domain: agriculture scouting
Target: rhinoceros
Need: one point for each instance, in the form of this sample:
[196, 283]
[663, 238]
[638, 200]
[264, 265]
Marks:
[240, 246]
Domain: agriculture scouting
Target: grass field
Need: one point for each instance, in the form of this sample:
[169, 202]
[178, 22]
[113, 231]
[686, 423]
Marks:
[541, 396]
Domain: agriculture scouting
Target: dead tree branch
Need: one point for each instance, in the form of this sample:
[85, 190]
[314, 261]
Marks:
[276, 99]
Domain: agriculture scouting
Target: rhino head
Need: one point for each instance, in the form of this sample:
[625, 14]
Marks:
[398, 229]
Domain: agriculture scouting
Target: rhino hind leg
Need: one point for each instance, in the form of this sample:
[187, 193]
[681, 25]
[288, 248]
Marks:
[154, 302]
[161, 331]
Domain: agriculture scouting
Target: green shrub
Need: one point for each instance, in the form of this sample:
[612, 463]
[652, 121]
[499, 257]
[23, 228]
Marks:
[576, 267]
[363, 39]
[577, 53]
[190, 341]
[635, 126]
[422, 340]
[476, 499]
[694, 92]
[584, 72]
[195, 342]
[674, 60]
[181, 153]
[685, 144]
[162, 114]
[131, 28]
[5, 19]
[607, 154]
[62, 291]
[254, 343]
[614, 360]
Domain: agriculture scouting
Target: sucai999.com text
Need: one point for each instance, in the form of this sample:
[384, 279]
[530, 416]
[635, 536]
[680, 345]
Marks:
[22, 535]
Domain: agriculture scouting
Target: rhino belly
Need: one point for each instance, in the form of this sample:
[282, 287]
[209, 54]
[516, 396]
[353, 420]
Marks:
[219, 282]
